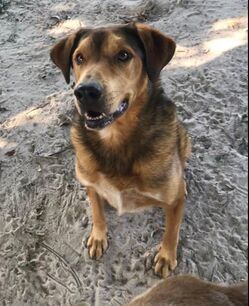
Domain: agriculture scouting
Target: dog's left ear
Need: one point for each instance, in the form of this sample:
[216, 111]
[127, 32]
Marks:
[61, 53]
[159, 49]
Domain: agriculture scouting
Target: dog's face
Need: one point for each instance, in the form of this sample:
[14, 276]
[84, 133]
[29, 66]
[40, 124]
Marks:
[109, 75]
[112, 68]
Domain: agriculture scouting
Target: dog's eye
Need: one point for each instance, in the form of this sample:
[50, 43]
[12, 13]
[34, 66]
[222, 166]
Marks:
[124, 56]
[79, 59]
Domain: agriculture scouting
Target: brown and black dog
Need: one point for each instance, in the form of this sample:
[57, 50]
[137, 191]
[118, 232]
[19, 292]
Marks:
[187, 290]
[130, 147]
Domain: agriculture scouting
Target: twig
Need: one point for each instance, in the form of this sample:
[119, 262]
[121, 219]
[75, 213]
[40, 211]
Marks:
[37, 107]
[55, 153]
[119, 303]
[60, 151]
[59, 282]
[70, 269]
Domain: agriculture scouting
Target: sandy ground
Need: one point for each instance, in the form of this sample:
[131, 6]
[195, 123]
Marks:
[44, 214]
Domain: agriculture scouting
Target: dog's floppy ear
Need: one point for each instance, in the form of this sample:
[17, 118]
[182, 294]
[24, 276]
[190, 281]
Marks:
[61, 53]
[159, 49]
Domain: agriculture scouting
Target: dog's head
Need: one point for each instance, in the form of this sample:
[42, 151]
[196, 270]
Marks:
[112, 67]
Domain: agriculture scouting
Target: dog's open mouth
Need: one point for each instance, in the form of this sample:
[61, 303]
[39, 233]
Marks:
[95, 120]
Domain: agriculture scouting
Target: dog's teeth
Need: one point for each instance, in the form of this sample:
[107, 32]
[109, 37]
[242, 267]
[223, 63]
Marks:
[101, 116]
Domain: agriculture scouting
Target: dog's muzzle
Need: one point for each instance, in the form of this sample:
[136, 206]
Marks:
[91, 103]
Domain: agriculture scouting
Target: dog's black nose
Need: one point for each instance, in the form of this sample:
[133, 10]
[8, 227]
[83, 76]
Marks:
[88, 91]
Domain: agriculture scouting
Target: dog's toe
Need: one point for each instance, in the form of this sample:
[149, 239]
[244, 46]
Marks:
[164, 263]
[97, 244]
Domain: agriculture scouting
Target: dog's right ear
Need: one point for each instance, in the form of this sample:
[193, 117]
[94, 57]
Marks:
[61, 53]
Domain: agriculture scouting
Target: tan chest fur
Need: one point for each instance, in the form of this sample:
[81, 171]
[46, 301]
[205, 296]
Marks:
[130, 197]
[126, 200]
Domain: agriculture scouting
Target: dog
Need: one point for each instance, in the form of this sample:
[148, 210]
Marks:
[190, 291]
[130, 147]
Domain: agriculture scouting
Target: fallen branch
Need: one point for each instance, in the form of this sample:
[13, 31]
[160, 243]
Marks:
[67, 265]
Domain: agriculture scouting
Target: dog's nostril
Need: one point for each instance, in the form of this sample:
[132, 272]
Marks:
[90, 91]
[78, 93]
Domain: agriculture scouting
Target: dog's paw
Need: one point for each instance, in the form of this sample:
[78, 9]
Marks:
[97, 243]
[164, 262]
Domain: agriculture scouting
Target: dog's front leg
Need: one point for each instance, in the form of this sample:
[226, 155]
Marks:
[166, 258]
[97, 242]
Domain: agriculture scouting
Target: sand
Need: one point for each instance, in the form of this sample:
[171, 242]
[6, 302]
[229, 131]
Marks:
[45, 217]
